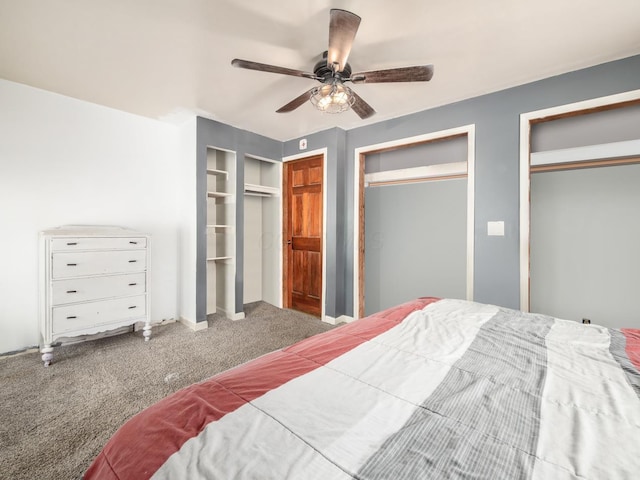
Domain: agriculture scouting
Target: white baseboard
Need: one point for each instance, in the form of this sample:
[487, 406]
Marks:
[231, 315]
[15, 353]
[336, 321]
[235, 316]
[195, 326]
[345, 319]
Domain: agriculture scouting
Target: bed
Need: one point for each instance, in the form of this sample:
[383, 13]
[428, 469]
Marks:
[431, 389]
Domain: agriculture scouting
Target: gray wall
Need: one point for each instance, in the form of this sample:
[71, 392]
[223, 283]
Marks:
[616, 125]
[210, 133]
[497, 119]
[407, 256]
[336, 243]
[585, 232]
[432, 153]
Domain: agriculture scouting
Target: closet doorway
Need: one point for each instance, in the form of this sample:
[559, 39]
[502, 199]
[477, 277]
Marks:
[580, 210]
[262, 262]
[415, 222]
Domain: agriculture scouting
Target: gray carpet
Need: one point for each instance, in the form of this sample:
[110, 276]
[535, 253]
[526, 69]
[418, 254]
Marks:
[54, 421]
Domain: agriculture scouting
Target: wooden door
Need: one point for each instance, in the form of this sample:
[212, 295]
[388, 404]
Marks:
[303, 235]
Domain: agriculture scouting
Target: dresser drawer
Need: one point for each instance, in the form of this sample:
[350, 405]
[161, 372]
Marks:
[68, 318]
[75, 264]
[93, 288]
[97, 243]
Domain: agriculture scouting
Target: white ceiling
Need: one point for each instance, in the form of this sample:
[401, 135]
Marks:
[167, 59]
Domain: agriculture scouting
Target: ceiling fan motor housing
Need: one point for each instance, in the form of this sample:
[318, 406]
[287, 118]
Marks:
[325, 73]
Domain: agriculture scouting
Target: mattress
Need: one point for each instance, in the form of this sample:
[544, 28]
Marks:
[433, 388]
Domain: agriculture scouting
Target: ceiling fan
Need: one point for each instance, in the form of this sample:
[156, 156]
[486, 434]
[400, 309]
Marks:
[333, 71]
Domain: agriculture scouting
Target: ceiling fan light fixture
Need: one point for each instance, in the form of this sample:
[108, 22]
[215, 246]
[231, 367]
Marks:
[332, 98]
[333, 70]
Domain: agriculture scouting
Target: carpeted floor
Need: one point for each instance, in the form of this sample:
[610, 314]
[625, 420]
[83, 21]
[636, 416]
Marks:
[54, 421]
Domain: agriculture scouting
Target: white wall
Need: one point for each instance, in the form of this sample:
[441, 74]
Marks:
[253, 250]
[186, 186]
[65, 161]
[252, 279]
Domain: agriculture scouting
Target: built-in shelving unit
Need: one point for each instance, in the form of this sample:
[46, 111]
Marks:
[262, 231]
[221, 214]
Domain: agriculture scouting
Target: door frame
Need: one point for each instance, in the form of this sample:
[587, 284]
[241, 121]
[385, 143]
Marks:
[302, 156]
[526, 121]
[358, 200]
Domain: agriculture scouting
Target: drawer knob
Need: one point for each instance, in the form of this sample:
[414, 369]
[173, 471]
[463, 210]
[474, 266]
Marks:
[71, 317]
[132, 261]
[72, 243]
[72, 264]
[72, 291]
[133, 306]
[133, 243]
[132, 284]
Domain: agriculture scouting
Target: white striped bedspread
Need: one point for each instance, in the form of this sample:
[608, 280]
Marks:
[431, 389]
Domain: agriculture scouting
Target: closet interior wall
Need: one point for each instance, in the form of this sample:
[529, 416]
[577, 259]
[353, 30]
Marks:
[415, 230]
[584, 216]
[262, 231]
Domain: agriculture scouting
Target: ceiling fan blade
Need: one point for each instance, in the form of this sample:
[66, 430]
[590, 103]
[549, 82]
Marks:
[342, 31]
[422, 73]
[295, 103]
[263, 67]
[362, 108]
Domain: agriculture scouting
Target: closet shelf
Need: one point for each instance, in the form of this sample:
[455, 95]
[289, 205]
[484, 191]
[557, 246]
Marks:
[627, 148]
[261, 190]
[212, 171]
[218, 194]
[252, 194]
[217, 259]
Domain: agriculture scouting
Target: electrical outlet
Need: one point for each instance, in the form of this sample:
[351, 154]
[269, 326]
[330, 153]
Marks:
[303, 144]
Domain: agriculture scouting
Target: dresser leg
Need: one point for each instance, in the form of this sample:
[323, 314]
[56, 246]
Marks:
[47, 355]
[146, 332]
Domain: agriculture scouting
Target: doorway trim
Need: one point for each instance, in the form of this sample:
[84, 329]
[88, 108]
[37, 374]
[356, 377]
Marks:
[300, 156]
[360, 154]
[526, 121]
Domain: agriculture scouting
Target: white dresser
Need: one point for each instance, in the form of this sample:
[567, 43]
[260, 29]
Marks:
[92, 279]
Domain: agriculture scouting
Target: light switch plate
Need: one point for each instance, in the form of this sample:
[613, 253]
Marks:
[495, 229]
